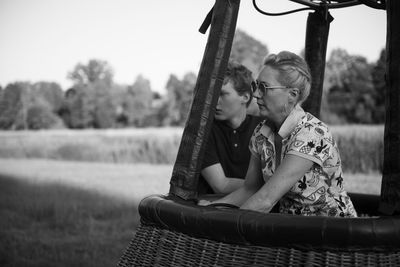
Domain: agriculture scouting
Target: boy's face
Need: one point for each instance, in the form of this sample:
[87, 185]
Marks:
[230, 103]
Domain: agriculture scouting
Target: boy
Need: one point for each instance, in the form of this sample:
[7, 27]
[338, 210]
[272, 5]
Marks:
[227, 154]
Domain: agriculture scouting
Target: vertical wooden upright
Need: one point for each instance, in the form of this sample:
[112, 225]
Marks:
[208, 85]
[390, 191]
[315, 55]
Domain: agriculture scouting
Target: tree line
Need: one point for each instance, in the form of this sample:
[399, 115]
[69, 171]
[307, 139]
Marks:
[353, 93]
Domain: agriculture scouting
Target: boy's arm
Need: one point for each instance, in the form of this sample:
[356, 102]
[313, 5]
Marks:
[252, 183]
[216, 178]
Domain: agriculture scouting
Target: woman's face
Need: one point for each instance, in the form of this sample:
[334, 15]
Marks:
[274, 102]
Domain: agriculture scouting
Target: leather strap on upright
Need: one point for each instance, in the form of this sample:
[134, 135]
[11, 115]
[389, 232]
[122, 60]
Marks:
[278, 149]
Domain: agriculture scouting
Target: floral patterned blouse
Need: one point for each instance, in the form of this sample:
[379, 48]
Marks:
[320, 191]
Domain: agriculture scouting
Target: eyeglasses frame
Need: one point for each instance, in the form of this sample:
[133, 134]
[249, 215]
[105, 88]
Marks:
[255, 85]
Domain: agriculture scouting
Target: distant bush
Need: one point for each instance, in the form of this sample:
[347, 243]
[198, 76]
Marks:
[361, 147]
[41, 117]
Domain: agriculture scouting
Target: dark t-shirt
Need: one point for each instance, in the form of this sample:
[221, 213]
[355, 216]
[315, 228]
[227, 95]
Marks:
[230, 148]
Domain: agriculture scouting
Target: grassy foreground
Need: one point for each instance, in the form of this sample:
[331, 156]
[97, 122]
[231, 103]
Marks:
[69, 213]
[55, 213]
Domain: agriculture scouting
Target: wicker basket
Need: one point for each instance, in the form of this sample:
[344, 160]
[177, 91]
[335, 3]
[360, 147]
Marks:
[179, 233]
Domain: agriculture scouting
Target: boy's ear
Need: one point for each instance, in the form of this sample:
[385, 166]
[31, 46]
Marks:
[246, 97]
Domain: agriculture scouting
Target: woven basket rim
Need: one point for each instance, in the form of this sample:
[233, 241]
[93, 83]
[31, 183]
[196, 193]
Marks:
[255, 228]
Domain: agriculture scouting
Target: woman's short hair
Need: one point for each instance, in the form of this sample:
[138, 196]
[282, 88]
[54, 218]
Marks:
[294, 72]
[241, 78]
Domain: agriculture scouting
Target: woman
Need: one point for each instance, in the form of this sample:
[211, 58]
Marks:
[294, 158]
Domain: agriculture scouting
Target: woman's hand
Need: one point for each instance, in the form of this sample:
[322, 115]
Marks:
[285, 177]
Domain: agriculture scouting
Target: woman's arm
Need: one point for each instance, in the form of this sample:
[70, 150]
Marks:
[252, 183]
[292, 169]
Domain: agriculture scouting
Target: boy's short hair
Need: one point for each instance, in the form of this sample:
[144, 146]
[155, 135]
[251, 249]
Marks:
[241, 78]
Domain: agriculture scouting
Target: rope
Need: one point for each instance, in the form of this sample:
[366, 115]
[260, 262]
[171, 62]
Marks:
[325, 4]
[281, 13]
[328, 3]
[377, 4]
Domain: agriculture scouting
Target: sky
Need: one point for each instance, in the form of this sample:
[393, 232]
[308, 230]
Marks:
[43, 40]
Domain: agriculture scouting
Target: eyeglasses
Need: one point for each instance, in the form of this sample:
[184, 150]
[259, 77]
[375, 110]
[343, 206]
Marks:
[263, 87]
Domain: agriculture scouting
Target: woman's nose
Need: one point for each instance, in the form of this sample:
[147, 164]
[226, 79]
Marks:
[257, 94]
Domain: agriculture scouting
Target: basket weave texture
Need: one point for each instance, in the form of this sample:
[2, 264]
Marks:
[155, 246]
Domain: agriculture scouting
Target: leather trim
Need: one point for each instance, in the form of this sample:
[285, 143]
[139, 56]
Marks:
[254, 228]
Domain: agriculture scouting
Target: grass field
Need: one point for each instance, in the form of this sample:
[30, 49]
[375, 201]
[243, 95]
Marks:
[55, 213]
[361, 146]
[70, 198]
[150, 145]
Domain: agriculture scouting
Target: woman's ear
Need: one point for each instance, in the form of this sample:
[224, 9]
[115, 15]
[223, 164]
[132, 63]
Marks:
[294, 92]
[293, 97]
